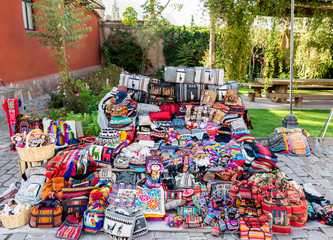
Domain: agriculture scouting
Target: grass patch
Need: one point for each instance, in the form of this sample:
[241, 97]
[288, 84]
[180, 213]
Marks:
[244, 90]
[264, 121]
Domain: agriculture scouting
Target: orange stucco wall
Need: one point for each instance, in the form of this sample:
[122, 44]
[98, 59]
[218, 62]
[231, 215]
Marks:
[23, 58]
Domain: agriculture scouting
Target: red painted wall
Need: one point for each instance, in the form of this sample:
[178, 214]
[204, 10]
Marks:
[23, 58]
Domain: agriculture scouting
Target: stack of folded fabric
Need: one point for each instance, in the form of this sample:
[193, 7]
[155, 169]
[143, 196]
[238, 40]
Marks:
[244, 135]
[265, 161]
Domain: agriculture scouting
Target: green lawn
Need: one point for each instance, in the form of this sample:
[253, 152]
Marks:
[264, 121]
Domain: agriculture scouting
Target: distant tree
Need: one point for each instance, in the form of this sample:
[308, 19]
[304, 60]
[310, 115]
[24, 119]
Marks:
[192, 21]
[115, 11]
[61, 24]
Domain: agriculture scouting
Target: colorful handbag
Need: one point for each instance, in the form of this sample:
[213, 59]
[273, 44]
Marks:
[46, 214]
[208, 98]
[71, 228]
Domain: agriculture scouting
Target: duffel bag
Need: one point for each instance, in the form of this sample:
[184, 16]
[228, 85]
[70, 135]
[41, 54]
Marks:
[160, 88]
[138, 82]
[123, 80]
[137, 95]
[46, 214]
[179, 75]
[199, 74]
[159, 100]
[188, 92]
[213, 77]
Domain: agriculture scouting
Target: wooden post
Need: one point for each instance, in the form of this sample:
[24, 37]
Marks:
[212, 41]
[251, 96]
[298, 102]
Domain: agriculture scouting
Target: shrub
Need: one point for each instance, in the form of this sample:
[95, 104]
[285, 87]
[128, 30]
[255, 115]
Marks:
[121, 48]
[84, 94]
[89, 122]
[185, 45]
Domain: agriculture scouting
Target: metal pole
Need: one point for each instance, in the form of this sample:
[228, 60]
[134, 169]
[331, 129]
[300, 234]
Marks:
[290, 121]
[291, 56]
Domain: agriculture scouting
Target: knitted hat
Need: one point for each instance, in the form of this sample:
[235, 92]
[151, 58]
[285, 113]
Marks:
[120, 97]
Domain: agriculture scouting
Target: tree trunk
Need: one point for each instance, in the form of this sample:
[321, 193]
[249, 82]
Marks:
[212, 42]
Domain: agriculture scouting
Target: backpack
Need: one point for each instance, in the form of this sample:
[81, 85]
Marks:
[276, 203]
[46, 214]
[299, 206]
[54, 186]
[75, 206]
[31, 190]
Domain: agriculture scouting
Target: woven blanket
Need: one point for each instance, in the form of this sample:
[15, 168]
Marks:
[150, 201]
[11, 108]
[122, 195]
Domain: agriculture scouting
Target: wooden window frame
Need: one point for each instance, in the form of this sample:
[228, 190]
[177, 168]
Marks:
[26, 15]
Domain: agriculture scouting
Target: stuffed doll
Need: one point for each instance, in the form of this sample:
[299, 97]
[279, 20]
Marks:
[199, 115]
[155, 169]
[205, 114]
[211, 114]
[188, 112]
[19, 139]
[194, 114]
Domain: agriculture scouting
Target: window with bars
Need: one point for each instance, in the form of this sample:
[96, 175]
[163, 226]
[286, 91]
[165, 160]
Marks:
[27, 15]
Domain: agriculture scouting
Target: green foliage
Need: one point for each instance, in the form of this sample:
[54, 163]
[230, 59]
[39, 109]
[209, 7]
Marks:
[130, 16]
[153, 26]
[89, 122]
[121, 49]
[314, 53]
[83, 95]
[185, 45]
[61, 24]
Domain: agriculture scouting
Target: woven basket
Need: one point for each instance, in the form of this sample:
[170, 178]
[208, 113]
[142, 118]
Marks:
[17, 220]
[36, 154]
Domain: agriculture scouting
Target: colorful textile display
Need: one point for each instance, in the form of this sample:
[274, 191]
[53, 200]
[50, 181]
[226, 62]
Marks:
[11, 108]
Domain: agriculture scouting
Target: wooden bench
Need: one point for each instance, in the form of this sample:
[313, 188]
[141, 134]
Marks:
[300, 96]
[257, 88]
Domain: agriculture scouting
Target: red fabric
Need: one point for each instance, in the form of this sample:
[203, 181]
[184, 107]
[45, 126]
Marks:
[11, 113]
[160, 116]
[172, 108]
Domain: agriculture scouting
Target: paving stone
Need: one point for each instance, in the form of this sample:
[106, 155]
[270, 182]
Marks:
[197, 238]
[178, 235]
[196, 234]
[325, 183]
[283, 237]
[299, 233]
[3, 236]
[162, 235]
[316, 235]
[5, 177]
[149, 235]
[328, 231]
[36, 236]
[230, 236]
[18, 236]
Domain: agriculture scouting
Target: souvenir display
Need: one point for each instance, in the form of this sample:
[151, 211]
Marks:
[185, 158]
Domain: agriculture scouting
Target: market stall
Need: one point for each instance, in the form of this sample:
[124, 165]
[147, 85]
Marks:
[177, 153]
